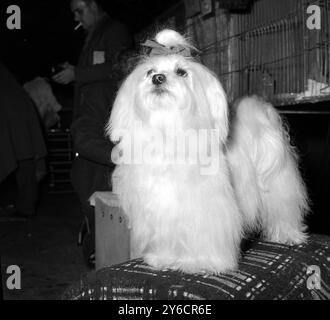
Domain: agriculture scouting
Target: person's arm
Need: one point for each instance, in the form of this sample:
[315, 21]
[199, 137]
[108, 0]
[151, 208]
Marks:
[117, 39]
[89, 137]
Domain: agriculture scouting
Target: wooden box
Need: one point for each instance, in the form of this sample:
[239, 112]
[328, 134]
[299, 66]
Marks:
[112, 235]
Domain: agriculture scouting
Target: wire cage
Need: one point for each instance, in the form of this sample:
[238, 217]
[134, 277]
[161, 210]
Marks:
[270, 50]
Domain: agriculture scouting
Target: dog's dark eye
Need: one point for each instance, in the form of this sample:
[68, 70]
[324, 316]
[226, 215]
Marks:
[181, 72]
[150, 72]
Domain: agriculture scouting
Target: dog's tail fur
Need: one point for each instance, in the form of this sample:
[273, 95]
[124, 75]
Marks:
[264, 166]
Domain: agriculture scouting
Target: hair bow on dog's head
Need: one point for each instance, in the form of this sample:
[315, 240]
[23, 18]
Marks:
[157, 49]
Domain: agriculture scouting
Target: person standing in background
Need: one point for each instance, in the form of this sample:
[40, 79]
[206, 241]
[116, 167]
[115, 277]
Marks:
[22, 146]
[96, 82]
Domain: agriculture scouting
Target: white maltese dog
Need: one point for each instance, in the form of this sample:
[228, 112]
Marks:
[188, 190]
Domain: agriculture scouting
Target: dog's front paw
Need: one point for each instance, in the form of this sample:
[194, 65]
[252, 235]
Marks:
[206, 265]
[191, 265]
[159, 262]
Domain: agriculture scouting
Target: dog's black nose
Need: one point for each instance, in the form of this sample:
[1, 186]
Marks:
[158, 79]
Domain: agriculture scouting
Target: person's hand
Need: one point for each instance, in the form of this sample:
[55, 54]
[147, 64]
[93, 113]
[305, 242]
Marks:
[66, 76]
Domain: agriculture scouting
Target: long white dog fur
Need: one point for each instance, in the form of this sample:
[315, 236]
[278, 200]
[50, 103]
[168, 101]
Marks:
[180, 217]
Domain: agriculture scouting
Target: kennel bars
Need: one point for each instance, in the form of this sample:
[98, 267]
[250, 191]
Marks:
[269, 51]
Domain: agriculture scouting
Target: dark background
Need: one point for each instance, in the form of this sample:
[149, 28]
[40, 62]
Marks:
[47, 36]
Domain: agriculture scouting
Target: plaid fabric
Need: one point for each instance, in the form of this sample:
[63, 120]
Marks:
[266, 271]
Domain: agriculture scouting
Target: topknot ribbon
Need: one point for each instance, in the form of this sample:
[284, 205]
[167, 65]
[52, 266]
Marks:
[158, 49]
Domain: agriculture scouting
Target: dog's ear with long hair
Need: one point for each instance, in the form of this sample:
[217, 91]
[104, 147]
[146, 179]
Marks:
[123, 117]
[215, 98]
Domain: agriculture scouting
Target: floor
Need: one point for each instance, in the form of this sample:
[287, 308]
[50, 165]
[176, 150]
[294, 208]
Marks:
[45, 248]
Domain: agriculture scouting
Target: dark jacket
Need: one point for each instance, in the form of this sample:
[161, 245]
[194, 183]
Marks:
[96, 86]
[21, 136]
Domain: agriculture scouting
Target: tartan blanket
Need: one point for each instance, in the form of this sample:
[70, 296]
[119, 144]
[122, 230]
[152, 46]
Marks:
[268, 271]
